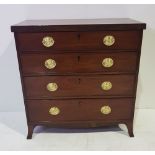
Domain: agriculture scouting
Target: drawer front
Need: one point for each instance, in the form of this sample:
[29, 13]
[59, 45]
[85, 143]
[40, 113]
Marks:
[83, 109]
[79, 40]
[78, 86]
[78, 63]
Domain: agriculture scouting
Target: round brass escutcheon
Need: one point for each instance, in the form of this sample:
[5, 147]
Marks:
[105, 110]
[106, 85]
[52, 87]
[48, 41]
[107, 62]
[109, 40]
[50, 63]
[54, 111]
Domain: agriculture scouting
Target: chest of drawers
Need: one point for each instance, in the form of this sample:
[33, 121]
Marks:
[79, 73]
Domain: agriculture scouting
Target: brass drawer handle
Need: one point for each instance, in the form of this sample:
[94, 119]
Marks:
[109, 40]
[107, 62]
[105, 110]
[48, 41]
[106, 85]
[52, 86]
[50, 63]
[54, 111]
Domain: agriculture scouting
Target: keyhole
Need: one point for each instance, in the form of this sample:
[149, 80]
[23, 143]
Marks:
[79, 103]
[78, 58]
[78, 36]
[79, 80]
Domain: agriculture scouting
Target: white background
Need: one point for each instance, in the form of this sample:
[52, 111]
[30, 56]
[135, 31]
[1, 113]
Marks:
[10, 87]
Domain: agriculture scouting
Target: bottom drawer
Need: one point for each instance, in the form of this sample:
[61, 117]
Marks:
[79, 110]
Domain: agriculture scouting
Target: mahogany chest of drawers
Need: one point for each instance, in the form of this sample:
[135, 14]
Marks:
[79, 73]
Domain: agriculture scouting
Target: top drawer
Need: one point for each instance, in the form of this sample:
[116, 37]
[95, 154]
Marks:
[129, 40]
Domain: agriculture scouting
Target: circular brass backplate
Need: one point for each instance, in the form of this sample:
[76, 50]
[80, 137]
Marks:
[107, 62]
[54, 111]
[109, 40]
[106, 110]
[106, 85]
[48, 41]
[52, 86]
[50, 63]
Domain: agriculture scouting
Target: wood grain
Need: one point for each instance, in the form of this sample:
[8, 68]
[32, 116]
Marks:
[34, 64]
[78, 51]
[82, 109]
[79, 40]
[76, 86]
[78, 25]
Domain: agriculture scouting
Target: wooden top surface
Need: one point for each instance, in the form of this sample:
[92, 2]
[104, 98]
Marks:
[78, 25]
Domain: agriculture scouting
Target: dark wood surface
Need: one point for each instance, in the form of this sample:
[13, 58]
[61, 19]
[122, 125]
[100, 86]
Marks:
[128, 40]
[78, 25]
[80, 110]
[75, 86]
[79, 72]
[70, 63]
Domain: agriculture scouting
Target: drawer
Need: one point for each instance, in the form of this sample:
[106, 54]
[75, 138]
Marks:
[79, 40]
[37, 64]
[83, 109]
[78, 86]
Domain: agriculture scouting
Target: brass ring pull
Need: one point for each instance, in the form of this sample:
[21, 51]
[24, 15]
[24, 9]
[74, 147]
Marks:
[52, 86]
[109, 40]
[107, 62]
[106, 85]
[48, 41]
[54, 111]
[50, 63]
[105, 110]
